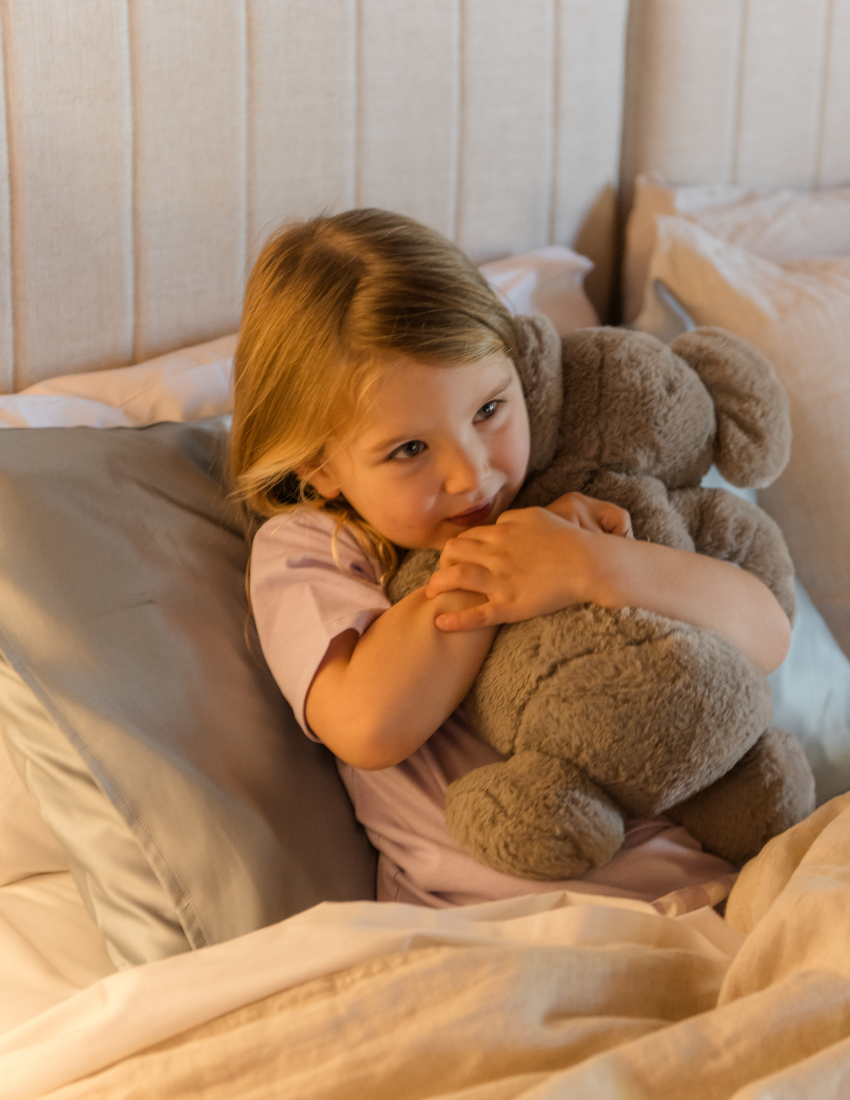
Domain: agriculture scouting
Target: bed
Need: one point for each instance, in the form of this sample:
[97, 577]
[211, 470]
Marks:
[189, 912]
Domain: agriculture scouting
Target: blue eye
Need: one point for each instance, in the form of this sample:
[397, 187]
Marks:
[488, 410]
[412, 449]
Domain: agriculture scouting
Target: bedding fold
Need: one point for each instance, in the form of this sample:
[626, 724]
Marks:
[555, 997]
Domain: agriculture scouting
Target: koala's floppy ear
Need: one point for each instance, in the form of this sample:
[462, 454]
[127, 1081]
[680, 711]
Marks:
[753, 441]
[538, 364]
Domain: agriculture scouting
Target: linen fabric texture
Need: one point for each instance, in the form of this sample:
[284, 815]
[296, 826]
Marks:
[136, 705]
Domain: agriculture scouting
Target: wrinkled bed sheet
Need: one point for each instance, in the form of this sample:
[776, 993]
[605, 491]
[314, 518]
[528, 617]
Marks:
[547, 997]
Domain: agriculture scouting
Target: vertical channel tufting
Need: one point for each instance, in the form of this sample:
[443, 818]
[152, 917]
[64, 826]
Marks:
[357, 111]
[128, 214]
[7, 326]
[66, 78]
[153, 145]
[825, 67]
[241, 212]
[188, 75]
[352, 115]
[781, 92]
[588, 126]
[407, 97]
[507, 127]
[833, 162]
[555, 109]
[302, 99]
[689, 46]
[731, 174]
[460, 110]
[134, 185]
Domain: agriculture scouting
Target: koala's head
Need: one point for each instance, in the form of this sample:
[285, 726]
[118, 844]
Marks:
[626, 402]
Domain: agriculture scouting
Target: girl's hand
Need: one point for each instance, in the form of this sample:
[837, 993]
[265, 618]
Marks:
[530, 562]
[592, 514]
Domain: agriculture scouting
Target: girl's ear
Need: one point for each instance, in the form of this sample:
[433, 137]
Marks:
[321, 480]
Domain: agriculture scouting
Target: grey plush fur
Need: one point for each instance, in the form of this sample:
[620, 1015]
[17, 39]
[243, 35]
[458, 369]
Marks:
[600, 714]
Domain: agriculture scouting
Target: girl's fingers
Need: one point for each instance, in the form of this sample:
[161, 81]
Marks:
[592, 514]
[472, 619]
[473, 578]
[617, 521]
[461, 549]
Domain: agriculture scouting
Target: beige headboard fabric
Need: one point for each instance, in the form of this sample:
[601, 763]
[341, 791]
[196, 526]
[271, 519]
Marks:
[755, 92]
[148, 146]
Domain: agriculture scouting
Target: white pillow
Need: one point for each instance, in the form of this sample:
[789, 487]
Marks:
[798, 314]
[184, 385]
[778, 225]
[549, 281]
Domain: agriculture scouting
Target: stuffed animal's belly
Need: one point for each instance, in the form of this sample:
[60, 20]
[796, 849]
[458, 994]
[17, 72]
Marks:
[651, 710]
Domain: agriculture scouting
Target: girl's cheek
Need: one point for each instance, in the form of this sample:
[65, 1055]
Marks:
[420, 506]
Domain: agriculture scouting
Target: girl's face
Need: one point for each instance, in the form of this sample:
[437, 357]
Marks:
[443, 449]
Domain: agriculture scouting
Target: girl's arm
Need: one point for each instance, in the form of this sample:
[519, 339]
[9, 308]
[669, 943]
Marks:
[376, 698]
[532, 561]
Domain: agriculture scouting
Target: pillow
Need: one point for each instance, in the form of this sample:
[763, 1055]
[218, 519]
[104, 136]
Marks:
[135, 703]
[188, 384]
[27, 846]
[549, 281]
[663, 316]
[811, 699]
[798, 314]
[778, 225]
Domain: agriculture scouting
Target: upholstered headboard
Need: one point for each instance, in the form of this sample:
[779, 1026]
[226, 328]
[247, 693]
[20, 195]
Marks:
[755, 92]
[148, 146]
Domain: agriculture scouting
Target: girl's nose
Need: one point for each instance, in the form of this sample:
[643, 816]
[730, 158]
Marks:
[466, 469]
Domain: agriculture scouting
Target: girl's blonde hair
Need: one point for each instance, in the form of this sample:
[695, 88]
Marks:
[330, 305]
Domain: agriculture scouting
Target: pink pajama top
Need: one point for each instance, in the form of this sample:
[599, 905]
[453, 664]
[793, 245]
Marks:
[301, 601]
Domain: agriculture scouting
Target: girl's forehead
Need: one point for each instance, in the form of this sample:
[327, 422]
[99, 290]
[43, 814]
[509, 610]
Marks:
[411, 376]
[413, 392]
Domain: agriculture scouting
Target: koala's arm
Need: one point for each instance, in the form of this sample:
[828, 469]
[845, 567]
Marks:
[727, 527]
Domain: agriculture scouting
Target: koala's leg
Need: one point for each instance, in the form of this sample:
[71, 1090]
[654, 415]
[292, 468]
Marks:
[770, 789]
[726, 526]
[534, 816]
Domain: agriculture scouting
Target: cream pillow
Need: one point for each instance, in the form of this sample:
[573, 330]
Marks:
[777, 225]
[798, 314]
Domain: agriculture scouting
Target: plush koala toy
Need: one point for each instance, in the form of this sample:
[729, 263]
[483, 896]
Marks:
[601, 714]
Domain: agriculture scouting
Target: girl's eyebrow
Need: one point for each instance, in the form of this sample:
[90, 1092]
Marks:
[387, 444]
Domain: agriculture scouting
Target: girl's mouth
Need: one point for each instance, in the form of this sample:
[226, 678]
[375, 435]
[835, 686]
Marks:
[475, 517]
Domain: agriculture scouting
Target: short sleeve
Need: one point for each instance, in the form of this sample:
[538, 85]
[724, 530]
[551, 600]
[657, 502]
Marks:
[301, 600]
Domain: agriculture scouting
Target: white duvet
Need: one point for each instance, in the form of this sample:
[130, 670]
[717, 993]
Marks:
[537, 998]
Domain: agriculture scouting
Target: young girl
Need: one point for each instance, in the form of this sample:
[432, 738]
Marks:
[378, 409]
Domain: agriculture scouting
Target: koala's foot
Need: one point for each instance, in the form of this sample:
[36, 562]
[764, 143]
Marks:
[770, 789]
[534, 816]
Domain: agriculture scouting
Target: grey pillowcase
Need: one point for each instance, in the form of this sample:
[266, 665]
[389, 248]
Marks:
[123, 611]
